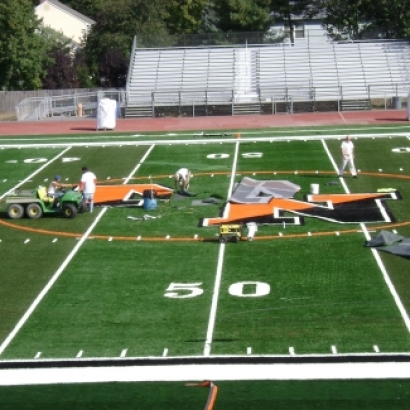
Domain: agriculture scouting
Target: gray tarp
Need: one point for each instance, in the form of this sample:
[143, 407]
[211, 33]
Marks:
[384, 238]
[391, 243]
[252, 191]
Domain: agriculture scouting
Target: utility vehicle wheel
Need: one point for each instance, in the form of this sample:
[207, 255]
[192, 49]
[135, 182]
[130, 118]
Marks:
[69, 211]
[15, 211]
[34, 211]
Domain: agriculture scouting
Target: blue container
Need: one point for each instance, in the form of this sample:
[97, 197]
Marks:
[150, 203]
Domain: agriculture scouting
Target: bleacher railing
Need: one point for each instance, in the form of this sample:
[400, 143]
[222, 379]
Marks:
[85, 104]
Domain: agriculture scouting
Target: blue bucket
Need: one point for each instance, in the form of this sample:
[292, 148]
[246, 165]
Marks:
[150, 203]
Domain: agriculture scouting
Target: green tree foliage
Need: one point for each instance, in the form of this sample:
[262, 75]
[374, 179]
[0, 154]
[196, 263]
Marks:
[344, 18]
[391, 18]
[89, 8]
[22, 49]
[185, 16]
[116, 25]
[243, 15]
[359, 19]
[285, 10]
[61, 73]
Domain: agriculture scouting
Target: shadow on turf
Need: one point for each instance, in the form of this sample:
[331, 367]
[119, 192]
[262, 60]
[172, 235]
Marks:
[84, 129]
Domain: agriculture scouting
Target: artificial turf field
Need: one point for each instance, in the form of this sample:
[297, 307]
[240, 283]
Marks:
[165, 288]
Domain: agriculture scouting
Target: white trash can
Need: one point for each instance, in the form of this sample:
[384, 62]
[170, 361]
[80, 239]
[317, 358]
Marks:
[314, 189]
[106, 114]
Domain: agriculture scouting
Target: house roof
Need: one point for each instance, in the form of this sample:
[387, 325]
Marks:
[69, 10]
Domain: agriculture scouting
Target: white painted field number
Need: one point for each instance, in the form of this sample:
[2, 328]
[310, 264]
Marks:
[179, 290]
[241, 289]
[249, 289]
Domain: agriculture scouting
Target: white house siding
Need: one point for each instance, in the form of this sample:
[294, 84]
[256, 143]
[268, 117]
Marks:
[62, 21]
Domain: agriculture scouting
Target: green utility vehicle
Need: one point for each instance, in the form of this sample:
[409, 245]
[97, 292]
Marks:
[35, 203]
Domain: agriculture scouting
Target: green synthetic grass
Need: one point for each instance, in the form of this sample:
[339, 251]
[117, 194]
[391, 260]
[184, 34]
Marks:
[138, 137]
[324, 291]
[260, 395]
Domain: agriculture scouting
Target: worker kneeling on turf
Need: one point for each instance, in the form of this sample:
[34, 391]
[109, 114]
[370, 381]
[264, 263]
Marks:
[182, 178]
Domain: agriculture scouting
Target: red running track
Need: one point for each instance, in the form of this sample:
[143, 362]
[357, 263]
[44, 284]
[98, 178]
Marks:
[236, 123]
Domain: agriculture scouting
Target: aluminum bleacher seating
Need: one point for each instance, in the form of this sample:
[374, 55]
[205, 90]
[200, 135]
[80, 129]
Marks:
[322, 71]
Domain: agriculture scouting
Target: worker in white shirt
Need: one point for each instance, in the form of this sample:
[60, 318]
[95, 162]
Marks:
[87, 186]
[347, 157]
[182, 178]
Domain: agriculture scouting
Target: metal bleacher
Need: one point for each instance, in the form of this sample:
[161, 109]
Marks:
[245, 77]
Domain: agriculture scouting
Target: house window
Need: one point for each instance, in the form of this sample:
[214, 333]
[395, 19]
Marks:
[299, 30]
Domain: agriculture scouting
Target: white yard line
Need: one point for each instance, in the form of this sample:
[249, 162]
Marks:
[241, 372]
[36, 172]
[343, 118]
[218, 278]
[60, 270]
[376, 255]
[51, 282]
[139, 164]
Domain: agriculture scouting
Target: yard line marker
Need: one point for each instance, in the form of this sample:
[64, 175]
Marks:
[110, 239]
[394, 231]
[334, 350]
[55, 240]
[249, 350]
[37, 356]
[292, 351]
[388, 281]
[50, 283]
[337, 233]
[376, 349]
[79, 354]
[165, 353]
[375, 253]
[309, 233]
[138, 238]
[280, 234]
[218, 276]
[124, 352]
[46, 164]
[167, 237]
[27, 241]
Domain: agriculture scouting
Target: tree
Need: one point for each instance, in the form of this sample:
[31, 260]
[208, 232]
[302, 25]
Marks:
[89, 8]
[22, 49]
[113, 68]
[343, 18]
[243, 15]
[358, 19]
[116, 25]
[285, 10]
[185, 16]
[61, 73]
[391, 18]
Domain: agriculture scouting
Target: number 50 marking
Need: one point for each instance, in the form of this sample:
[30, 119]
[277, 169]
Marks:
[191, 290]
